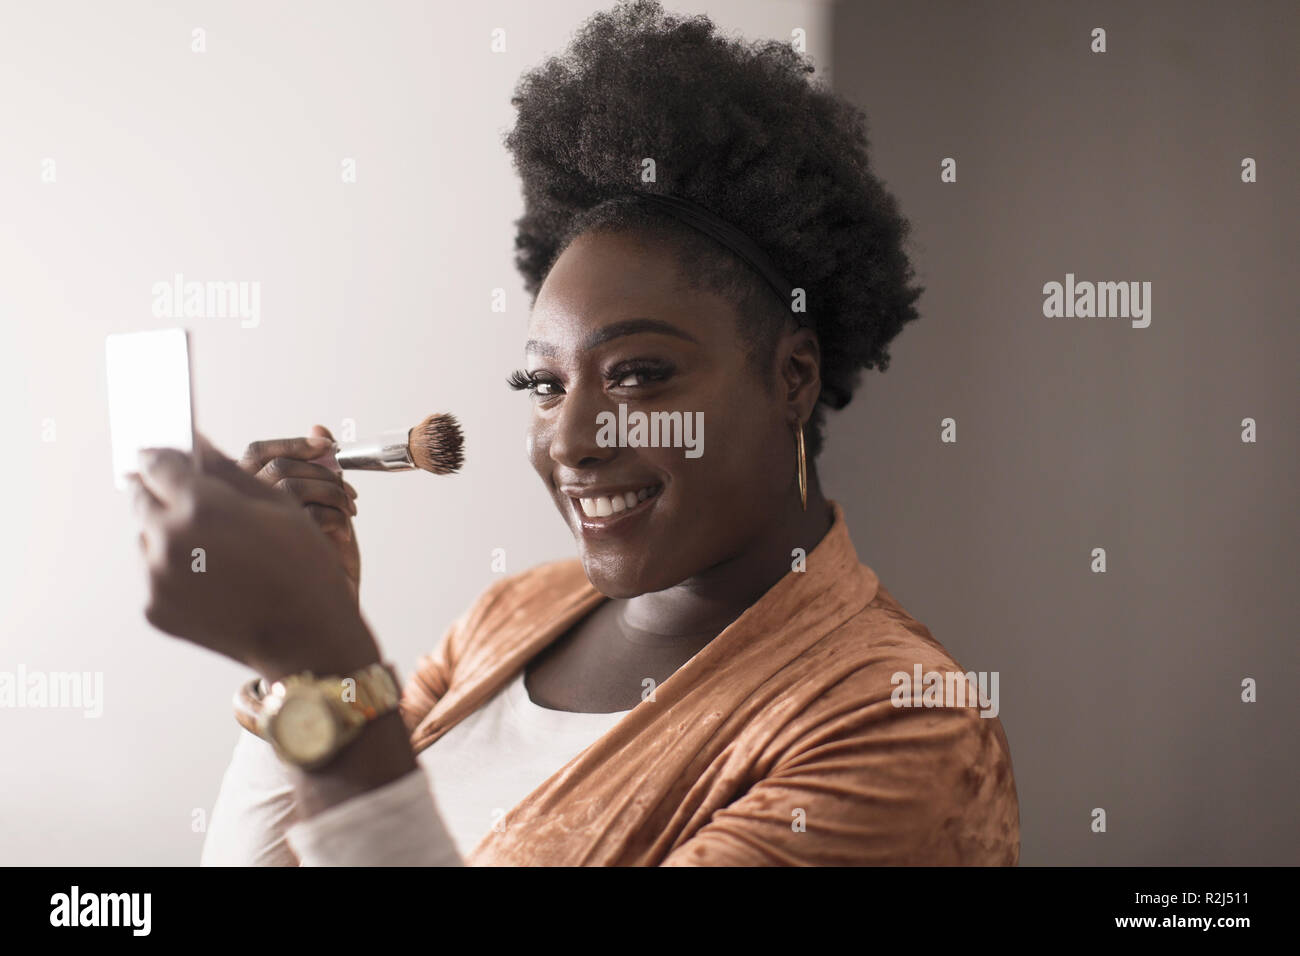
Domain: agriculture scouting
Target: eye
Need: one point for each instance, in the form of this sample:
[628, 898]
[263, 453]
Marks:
[638, 374]
[524, 381]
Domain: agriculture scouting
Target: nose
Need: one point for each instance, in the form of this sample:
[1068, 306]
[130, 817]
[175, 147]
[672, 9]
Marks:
[573, 431]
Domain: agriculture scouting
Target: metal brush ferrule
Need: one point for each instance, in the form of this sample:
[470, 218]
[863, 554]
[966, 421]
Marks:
[391, 451]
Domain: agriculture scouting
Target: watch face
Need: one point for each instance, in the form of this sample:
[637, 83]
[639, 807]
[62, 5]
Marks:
[304, 728]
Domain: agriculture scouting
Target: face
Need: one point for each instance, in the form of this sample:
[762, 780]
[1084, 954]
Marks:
[615, 324]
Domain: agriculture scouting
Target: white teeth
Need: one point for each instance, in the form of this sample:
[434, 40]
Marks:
[603, 506]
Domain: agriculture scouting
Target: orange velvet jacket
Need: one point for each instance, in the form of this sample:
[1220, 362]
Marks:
[780, 742]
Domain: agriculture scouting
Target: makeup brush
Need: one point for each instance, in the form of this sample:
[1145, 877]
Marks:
[435, 445]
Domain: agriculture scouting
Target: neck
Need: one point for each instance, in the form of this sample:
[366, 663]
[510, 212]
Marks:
[707, 602]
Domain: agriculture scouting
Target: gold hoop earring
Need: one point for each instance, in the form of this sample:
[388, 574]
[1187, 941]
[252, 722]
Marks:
[802, 467]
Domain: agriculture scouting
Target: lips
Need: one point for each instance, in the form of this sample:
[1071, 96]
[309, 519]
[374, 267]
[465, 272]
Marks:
[602, 506]
[597, 508]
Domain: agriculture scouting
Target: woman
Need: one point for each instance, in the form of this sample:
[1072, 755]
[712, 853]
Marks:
[714, 680]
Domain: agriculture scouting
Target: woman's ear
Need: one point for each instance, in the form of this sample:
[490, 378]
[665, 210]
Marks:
[801, 363]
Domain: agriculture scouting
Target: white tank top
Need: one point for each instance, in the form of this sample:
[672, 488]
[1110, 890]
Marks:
[503, 751]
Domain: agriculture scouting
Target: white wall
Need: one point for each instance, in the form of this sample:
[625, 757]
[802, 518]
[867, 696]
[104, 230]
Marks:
[375, 306]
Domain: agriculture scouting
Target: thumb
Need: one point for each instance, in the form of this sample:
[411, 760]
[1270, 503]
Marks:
[213, 462]
[167, 474]
[327, 459]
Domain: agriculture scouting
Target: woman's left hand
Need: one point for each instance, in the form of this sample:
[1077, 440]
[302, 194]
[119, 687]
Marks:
[237, 568]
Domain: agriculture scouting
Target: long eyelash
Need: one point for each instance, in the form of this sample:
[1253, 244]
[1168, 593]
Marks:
[654, 371]
[520, 380]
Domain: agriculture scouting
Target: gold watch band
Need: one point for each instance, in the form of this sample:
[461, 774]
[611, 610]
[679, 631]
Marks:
[373, 692]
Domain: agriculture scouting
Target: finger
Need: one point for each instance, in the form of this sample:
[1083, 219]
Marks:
[314, 491]
[168, 474]
[259, 453]
[211, 459]
[143, 502]
[280, 468]
[331, 520]
[352, 492]
[204, 450]
[216, 464]
[326, 459]
[148, 510]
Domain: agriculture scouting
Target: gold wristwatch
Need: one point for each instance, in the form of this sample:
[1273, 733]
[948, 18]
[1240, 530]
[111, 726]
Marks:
[309, 719]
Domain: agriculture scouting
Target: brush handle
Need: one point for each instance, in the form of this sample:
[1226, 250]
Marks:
[390, 451]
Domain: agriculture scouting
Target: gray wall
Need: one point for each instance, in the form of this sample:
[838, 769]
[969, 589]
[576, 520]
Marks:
[1119, 690]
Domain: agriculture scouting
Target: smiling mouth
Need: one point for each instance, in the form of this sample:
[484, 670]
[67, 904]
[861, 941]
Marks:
[601, 509]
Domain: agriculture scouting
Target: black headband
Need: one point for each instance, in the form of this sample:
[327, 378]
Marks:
[696, 216]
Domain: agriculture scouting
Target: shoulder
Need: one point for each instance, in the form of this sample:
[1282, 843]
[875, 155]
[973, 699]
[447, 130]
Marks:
[521, 598]
[899, 722]
[864, 651]
[502, 613]
[540, 585]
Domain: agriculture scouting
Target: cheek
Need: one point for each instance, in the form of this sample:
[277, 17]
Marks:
[535, 447]
[746, 431]
[744, 461]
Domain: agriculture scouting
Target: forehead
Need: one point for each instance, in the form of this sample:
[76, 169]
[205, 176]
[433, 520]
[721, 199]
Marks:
[604, 278]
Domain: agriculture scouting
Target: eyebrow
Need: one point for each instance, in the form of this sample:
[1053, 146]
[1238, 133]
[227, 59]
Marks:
[615, 331]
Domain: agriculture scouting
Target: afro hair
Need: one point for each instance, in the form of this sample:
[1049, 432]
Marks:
[741, 129]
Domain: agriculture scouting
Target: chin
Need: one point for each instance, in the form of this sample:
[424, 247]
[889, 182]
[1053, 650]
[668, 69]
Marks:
[614, 583]
[616, 577]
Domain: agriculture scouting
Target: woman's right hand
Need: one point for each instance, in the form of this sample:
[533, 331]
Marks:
[286, 465]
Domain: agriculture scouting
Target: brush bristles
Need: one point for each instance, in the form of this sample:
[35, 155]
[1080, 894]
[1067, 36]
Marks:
[437, 445]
